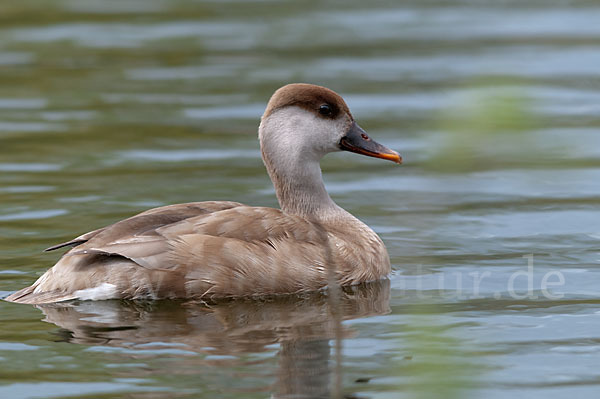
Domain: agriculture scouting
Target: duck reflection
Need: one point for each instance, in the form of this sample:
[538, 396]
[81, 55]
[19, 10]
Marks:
[303, 326]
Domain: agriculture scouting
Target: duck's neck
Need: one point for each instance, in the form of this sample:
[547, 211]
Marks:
[292, 142]
[299, 187]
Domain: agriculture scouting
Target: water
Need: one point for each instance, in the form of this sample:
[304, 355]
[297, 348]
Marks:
[109, 108]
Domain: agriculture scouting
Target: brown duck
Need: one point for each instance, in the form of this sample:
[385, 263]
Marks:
[219, 249]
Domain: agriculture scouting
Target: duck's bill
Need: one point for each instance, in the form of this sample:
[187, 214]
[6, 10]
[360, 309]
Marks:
[358, 141]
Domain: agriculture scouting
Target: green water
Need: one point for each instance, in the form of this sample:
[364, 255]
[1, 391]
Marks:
[108, 108]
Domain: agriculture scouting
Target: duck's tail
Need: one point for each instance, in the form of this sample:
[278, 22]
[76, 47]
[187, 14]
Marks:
[29, 296]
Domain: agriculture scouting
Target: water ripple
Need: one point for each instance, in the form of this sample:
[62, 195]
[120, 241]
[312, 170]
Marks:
[188, 155]
[16, 58]
[29, 167]
[132, 35]
[28, 215]
[30, 127]
[22, 103]
[250, 111]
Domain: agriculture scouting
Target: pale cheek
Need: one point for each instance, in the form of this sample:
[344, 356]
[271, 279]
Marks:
[307, 133]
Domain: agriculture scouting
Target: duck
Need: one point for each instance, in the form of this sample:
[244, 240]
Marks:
[215, 250]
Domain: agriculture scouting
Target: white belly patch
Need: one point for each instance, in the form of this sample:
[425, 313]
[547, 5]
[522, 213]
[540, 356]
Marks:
[103, 291]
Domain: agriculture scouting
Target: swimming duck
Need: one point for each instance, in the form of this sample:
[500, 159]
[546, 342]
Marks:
[219, 249]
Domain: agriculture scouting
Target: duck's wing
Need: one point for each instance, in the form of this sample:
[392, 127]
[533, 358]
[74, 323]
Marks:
[171, 237]
[228, 252]
[76, 241]
[147, 221]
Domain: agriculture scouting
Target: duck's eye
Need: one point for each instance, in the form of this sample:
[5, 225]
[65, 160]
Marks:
[325, 110]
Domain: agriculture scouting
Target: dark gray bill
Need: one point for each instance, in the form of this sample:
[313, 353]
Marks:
[358, 141]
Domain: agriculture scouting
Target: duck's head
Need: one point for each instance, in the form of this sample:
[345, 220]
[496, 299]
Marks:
[305, 122]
